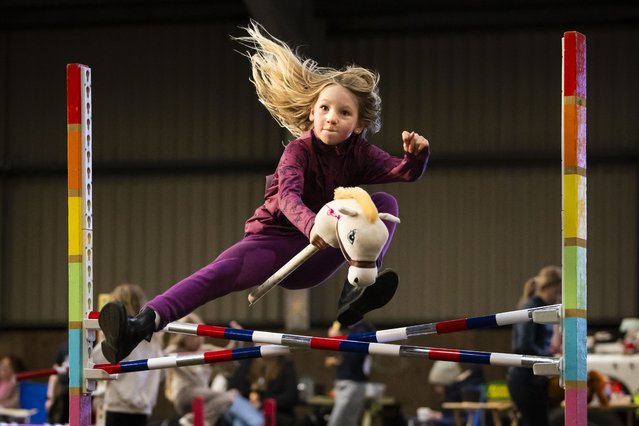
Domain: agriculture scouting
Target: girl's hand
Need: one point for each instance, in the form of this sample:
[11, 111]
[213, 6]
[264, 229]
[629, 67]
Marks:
[414, 143]
[317, 241]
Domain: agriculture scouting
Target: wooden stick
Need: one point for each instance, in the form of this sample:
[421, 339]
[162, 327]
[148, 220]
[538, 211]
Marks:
[282, 273]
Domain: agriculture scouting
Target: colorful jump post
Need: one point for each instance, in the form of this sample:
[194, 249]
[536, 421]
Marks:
[574, 375]
[80, 232]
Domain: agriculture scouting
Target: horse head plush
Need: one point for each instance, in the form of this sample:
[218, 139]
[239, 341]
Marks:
[352, 223]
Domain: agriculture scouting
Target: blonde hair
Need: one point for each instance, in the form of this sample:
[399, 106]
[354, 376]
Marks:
[547, 276]
[363, 199]
[131, 295]
[288, 86]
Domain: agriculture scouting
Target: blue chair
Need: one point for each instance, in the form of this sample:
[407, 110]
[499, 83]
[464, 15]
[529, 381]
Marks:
[34, 395]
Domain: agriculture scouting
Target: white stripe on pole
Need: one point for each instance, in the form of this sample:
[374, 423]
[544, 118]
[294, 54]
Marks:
[383, 349]
[274, 350]
[267, 337]
[392, 335]
[506, 360]
[513, 317]
[164, 362]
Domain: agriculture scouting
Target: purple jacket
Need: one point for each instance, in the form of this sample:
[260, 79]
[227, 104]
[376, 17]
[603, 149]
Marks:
[309, 171]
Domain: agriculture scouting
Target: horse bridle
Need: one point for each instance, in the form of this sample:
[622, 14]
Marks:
[352, 262]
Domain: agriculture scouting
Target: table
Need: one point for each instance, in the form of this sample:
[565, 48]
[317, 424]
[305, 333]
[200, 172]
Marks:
[18, 414]
[495, 407]
[629, 408]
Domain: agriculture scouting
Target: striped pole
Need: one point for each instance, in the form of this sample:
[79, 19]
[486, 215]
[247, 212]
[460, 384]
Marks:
[185, 360]
[441, 327]
[344, 345]
[450, 326]
[79, 238]
[574, 214]
[319, 343]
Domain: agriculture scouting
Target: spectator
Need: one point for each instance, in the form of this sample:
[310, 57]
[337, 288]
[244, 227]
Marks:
[184, 383]
[267, 378]
[129, 400]
[10, 365]
[353, 369]
[528, 391]
[57, 404]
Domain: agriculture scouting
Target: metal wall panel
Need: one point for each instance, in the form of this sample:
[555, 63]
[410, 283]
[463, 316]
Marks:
[181, 93]
[162, 93]
[170, 94]
[35, 251]
[163, 229]
[467, 242]
[497, 93]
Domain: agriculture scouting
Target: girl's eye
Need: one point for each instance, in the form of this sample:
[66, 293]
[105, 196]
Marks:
[351, 236]
[323, 107]
[347, 113]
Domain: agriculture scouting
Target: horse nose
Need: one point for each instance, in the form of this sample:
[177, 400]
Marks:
[356, 280]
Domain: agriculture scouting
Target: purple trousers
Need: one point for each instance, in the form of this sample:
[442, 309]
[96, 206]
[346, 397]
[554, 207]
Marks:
[252, 261]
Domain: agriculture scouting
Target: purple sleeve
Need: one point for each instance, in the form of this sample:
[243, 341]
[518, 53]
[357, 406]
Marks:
[291, 167]
[381, 167]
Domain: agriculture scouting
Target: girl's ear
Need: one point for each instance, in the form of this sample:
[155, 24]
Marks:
[360, 128]
[311, 115]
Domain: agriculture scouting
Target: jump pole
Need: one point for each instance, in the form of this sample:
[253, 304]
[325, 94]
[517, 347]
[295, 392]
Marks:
[574, 230]
[80, 244]
[282, 344]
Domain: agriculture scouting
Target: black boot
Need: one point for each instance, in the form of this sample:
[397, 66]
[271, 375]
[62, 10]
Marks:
[355, 302]
[122, 333]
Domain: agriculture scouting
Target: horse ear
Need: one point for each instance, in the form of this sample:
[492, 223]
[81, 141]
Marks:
[348, 212]
[389, 217]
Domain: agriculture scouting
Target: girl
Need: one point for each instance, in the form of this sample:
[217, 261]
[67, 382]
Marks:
[329, 111]
[530, 392]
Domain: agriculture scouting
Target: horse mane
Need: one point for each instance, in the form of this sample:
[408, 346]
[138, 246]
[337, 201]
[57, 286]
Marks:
[363, 199]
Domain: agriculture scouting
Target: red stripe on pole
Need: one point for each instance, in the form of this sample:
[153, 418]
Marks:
[451, 326]
[210, 331]
[324, 343]
[94, 315]
[218, 356]
[109, 368]
[444, 354]
[73, 94]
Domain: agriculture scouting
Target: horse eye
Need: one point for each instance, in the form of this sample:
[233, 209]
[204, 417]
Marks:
[351, 237]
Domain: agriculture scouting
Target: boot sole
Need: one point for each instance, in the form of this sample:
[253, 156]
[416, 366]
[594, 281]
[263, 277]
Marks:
[113, 321]
[374, 297]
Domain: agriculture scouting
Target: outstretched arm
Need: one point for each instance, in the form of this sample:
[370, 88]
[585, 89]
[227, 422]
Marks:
[381, 167]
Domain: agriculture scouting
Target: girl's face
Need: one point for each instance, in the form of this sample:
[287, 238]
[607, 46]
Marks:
[335, 115]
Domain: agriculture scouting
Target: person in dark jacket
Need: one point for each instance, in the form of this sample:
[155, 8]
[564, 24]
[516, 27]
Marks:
[528, 391]
[274, 378]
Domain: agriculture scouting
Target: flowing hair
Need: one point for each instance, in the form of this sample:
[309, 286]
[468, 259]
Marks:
[288, 85]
